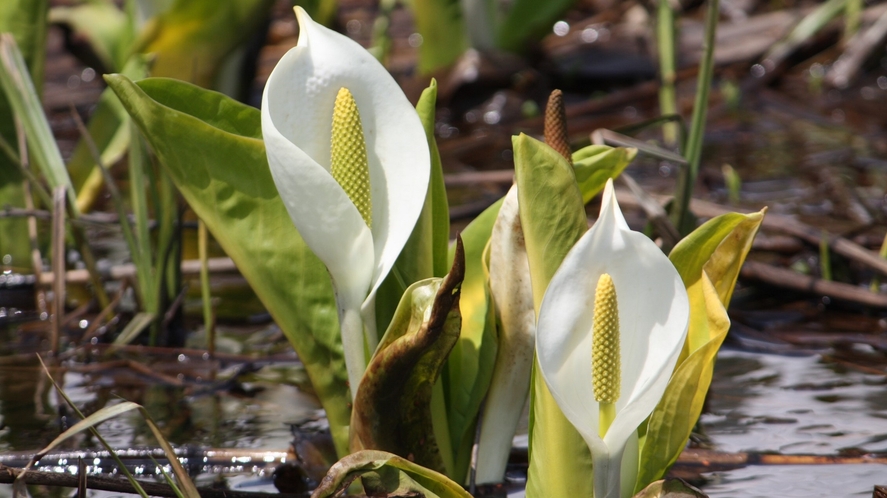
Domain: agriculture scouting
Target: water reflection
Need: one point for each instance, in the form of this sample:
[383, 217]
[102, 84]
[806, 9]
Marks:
[794, 405]
[795, 481]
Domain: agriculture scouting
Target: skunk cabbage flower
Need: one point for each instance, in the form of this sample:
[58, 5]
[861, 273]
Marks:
[351, 162]
[610, 329]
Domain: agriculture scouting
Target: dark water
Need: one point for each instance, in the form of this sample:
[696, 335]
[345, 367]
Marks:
[795, 405]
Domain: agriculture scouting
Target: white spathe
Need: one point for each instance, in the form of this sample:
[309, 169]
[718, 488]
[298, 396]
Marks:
[653, 318]
[297, 111]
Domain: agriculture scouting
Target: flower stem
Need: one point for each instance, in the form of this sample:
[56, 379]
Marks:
[353, 342]
[607, 413]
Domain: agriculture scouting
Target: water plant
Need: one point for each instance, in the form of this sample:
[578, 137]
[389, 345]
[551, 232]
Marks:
[354, 182]
[607, 363]
[315, 199]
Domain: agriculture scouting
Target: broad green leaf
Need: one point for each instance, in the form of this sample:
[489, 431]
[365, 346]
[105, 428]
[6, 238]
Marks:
[551, 208]
[193, 38]
[211, 146]
[26, 20]
[442, 27]
[392, 408]
[527, 21]
[553, 218]
[409, 477]
[469, 368]
[728, 236]
[670, 488]
[596, 164]
[723, 266]
[103, 25]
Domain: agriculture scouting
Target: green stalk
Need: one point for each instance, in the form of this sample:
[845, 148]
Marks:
[139, 197]
[665, 38]
[208, 321]
[825, 260]
[693, 149]
[852, 18]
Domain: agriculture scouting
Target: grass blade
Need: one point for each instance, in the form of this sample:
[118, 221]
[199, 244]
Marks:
[16, 83]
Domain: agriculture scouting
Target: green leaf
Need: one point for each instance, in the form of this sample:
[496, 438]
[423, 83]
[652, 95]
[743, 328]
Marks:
[103, 25]
[708, 260]
[22, 96]
[425, 253]
[437, 190]
[551, 207]
[527, 21]
[211, 146]
[553, 218]
[672, 420]
[469, 368]
[723, 243]
[192, 39]
[442, 27]
[596, 164]
[670, 488]
[392, 408]
[26, 20]
[397, 476]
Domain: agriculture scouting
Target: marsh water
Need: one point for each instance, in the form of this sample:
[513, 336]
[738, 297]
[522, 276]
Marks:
[761, 402]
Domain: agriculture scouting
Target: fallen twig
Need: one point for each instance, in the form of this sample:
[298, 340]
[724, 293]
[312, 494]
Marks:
[789, 279]
[189, 267]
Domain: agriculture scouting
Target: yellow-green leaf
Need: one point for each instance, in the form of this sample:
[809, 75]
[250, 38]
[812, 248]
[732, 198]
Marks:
[469, 368]
[596, 164]
[673, 419]
[553, 218]
[395, 476]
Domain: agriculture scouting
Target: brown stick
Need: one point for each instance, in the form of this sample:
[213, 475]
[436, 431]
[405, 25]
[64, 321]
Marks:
[784, 224]
[189, 267]
[710, 458]
[789, 279]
